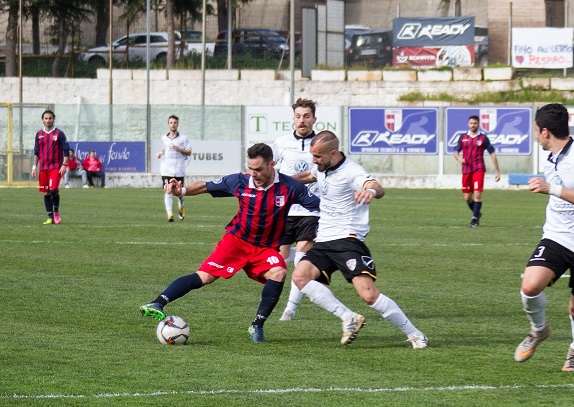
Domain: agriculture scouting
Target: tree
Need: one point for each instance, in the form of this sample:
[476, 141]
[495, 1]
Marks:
[444, 6]
[222, 11]
[11, 35]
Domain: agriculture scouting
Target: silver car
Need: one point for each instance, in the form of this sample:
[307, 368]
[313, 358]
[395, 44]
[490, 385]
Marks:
[135, 45]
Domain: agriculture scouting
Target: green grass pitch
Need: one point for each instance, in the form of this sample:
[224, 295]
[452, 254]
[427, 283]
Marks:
[71, 333]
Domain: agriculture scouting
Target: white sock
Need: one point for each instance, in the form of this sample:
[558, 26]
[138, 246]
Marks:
[298, 257]
[535, 308]
[572, 325]
[167, 199]
[390, 311]
[291, 256]
[295, 296]
[181, 201]
[323, 297]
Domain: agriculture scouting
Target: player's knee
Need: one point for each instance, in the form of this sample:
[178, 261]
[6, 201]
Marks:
[571, 307]
[277, 274]
[302, 275]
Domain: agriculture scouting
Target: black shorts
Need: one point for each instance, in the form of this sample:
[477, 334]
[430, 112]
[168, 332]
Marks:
[349, 255]
[165, 180]
[554, 256]
[300, 228]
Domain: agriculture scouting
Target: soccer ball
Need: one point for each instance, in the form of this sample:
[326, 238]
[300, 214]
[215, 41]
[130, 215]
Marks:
[172, 330]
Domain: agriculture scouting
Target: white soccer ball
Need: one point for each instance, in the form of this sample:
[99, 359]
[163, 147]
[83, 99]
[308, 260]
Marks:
[173, 330]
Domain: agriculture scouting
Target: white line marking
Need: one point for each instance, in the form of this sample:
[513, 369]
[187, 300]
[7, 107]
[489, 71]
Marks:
[293, 390]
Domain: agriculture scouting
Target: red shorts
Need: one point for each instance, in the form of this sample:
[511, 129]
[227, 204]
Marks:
[473, 181]
[233, 254]
[49, 180]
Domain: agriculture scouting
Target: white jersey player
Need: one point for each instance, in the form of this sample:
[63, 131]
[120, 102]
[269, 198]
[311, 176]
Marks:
[555, 252]
[176, 152]
[346, 190]
[291, 153]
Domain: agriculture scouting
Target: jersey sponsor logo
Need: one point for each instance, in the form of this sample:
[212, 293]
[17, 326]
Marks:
[301, 166]
[351, 264]
[249, 195]
[368, 262]
[214, 264]
[280, 201]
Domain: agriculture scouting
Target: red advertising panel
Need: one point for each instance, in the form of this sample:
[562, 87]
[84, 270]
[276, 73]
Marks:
[434, 57]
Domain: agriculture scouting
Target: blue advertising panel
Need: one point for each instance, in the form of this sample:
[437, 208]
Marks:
[420, 32]
[121, 156]
[509, 129]
[383, 130]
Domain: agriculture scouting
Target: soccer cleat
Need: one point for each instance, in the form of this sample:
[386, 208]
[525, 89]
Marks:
[569, 364]
[86, 186]
[418, 340]
[154, 310]
[288, 315]
[170, 217]
[66, 186]
[57, 219]
[256, 333]
[50, 221]
[351, 327]
[181, 213]
[473, 222]
[526, 349]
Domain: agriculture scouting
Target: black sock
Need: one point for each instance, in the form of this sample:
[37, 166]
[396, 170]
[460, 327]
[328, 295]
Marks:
[476, 210]
[471, 206]
[49, 205]
[55, 200]
[178, 288]
[269, 299]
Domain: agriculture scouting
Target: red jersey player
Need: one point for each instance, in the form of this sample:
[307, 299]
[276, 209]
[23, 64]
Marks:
[472, 145]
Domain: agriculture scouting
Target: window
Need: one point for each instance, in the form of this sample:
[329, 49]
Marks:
[554, 13]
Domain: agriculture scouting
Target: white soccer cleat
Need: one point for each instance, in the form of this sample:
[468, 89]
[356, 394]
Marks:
[418, 340]
[288, 315]
[351, 327]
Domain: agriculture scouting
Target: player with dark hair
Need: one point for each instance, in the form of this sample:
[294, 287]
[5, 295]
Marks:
[555, 252]
[292, 155]
[176, 151]
[346, 191]
[51, 155]
[472, 145]
[251, 240]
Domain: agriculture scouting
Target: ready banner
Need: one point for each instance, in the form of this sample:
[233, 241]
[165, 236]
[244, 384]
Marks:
[441, 31]
[392, 130]
[121, 156]
[548, 48]
[508, 129]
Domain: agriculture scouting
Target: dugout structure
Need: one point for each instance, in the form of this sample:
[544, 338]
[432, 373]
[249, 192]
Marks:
[17, 148]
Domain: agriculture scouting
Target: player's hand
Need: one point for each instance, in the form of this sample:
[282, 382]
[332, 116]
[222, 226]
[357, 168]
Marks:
[538, 185]
[497, 176]
[363, 197]
[33, 173]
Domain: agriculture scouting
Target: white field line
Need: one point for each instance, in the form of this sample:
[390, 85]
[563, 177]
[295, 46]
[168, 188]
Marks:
[286, 391]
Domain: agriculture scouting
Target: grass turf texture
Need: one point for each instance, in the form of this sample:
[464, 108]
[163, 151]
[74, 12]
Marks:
[72, 334]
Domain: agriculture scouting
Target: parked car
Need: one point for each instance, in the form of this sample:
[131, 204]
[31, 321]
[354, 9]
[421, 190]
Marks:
[193, 43]
[255, 41]
[372, 49]
[352, 29]
[297, 40]
[135, 44]
[481, 45]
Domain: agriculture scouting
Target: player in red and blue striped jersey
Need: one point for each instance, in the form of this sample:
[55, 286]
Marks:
[473, 144]
[252, 238]
[51, 154]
